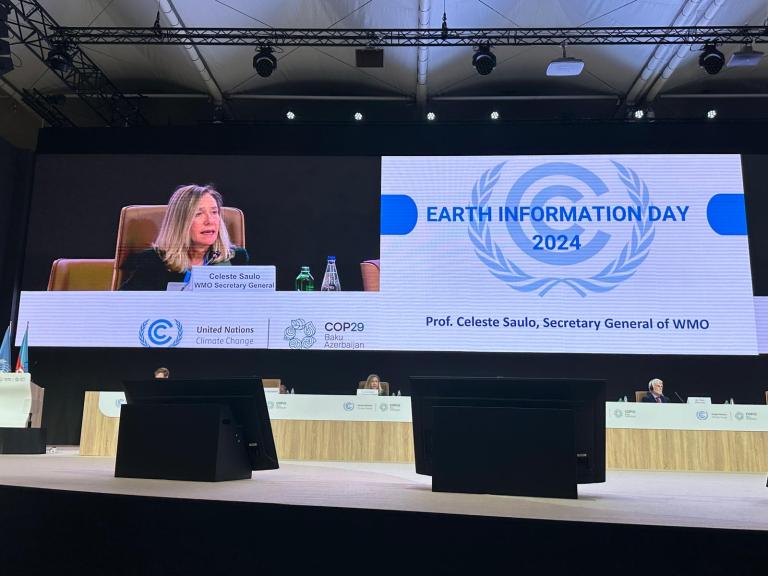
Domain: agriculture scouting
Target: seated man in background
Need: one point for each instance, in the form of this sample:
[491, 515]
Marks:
[655, 392]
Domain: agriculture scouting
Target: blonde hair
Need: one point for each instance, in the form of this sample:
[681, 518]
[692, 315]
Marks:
[173, 242]
[369, 379]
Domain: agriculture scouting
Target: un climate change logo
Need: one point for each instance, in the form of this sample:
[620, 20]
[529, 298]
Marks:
[160, 333]
[300, 334]
[621, 268]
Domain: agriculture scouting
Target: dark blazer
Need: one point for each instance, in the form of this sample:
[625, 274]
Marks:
[649, 398]
[147, 271]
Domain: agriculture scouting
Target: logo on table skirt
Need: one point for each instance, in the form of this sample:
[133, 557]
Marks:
[348, 406]
[739, 415]
[618, 413]
[557, 187]
[702, 414]
[383, 407]
[160, 333]
[300, 334]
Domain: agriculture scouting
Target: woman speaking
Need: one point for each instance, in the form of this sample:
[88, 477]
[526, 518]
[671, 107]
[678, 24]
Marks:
[192, 234]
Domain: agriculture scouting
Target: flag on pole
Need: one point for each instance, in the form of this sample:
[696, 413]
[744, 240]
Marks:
[5, 352]
[22, 362]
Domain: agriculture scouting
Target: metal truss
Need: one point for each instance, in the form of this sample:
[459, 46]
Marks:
[32, 26]
[416, 37]
[43, 108]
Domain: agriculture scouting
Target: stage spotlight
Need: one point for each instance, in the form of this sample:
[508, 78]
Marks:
[747, 56]
[290, 115]
[495, 115]
[431, 116]
[711, 59]
[264, 62]
[358, 116]
[484, 60]
[58, 58]
[712, 114]
[638, 114]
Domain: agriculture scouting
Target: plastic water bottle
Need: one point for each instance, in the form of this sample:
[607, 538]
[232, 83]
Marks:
[331, 278]
[304, 281]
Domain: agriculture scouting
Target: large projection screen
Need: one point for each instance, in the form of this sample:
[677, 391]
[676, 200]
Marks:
[629, 254]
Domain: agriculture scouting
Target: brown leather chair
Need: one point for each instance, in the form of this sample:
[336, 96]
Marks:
[371, 271]
[384, 386]
[81, 274]
[270, 382]
[140, 224]
[640, 394]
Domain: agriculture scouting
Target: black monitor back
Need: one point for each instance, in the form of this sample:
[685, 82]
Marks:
[586, 398]
[244, 396]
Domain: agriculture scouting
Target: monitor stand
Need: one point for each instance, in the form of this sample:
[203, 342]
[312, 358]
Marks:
[504, 450]
[181, 442]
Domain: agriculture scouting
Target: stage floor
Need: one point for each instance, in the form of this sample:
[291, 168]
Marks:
[698, 500]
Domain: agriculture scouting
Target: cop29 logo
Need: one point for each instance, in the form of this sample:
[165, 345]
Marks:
[555, 247]
[160, 333]
[300, 334]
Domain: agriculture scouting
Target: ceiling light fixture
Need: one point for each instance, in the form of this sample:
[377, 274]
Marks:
[712, 114]
[484, 60]
[358, 116]
[290, 115]
[747, 56]
[264, 62]
[565, 66]
[58, 58]
[431, 116]
[711, 58]
[495, 115]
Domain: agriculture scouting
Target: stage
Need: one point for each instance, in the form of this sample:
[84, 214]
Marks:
[312, 514]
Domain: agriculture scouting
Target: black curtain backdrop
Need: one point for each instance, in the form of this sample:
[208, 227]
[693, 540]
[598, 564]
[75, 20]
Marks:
[259, 170]
[16, 168]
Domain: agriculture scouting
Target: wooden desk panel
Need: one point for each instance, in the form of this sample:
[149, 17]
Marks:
[687, 450]
[343, 441]
[626, 449]
[98, 433]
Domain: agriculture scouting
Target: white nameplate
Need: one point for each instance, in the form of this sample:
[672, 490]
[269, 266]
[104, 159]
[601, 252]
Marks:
[15, 400]
[699, 400]
[367, 392]
[233, 279]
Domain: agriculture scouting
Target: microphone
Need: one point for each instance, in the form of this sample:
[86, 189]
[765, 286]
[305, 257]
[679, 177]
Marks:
[679, 398]
[215, 254]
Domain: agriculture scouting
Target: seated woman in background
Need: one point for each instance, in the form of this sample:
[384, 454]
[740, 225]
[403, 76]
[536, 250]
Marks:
[373, 382]
[192, 234]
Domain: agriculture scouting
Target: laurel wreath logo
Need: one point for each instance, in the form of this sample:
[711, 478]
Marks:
[146, 344]
[620, 269]
[300, 334]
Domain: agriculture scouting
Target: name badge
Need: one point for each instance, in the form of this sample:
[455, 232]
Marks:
[233, 279]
